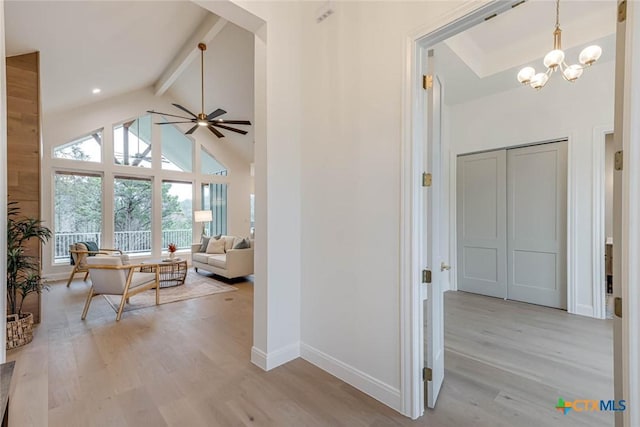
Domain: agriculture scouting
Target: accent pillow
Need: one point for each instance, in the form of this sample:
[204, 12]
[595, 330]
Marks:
[241, 243]
[204, 243]
[228, 242]
[215, 246]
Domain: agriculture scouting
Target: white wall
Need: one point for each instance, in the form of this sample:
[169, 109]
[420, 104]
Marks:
[331, 175]
[353, 67]
[65, 126]
[523, 116]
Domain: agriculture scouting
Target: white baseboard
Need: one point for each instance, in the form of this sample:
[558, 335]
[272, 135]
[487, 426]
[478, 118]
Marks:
[375, 388]
[275, 358]
[584, 310]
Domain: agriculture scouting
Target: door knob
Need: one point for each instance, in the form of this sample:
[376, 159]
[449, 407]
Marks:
[444, 266]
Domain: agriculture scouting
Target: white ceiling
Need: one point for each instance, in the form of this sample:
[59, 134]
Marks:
[486, 58]
[118, 46]
[123, 46]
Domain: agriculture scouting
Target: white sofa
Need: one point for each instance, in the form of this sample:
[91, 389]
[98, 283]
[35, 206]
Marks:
[233, 263]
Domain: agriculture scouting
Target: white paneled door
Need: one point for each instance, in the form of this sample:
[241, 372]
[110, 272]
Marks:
[512, 224]
[434, 304]
[482, 215]
[537, 224]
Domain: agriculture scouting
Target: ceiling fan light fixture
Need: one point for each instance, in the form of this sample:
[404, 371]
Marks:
[555, 61]
[201, 119]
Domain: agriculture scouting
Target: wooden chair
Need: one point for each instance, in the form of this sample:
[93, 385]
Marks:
[110, 277]
[79, 254]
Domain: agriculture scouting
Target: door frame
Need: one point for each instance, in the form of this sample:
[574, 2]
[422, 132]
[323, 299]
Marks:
[457, 20]
[411, 333]
[598, 238]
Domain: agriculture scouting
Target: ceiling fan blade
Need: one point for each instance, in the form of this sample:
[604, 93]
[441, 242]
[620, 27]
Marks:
[216, 113]
[234, 122]
[192, 130]
[215, 131]
[185, 110]
[243, 132]
[173, 123]
[170, 115]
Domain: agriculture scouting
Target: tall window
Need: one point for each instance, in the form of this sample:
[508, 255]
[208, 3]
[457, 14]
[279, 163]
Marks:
[77, 211]
[210, 166]
[132, 215]
[214, 198]
[132, 142]
[177, 226]
[177, 149]
[87, 148]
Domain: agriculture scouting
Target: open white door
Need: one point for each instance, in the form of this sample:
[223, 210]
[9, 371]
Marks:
[433, 305]
[626, 220]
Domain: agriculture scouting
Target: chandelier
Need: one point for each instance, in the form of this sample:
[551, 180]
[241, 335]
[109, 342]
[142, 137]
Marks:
[554, 61]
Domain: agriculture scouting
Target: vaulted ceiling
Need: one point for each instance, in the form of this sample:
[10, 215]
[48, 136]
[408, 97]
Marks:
[123, 46]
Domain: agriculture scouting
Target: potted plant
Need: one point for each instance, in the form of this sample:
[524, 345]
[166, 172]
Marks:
[172, 250]
[23, 273]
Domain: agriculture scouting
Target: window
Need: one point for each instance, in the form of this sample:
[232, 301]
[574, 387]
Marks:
[210, 166]
[214, 198]
[87, 148]
[132, 215]
[253, 212]
[177, 226]
[77, 212]
[177, 149]
[132, 142]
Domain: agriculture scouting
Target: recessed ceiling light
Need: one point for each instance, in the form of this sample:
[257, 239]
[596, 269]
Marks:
[96, 91]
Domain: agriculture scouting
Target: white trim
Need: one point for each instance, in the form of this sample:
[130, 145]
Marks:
[411, 328]
[273, 359]
[598, 230]
[631, 220]
[572, 256]
[583, 310]
[364, 382]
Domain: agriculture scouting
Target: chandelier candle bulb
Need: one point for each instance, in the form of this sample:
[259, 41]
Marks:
[590, 54]
[526, 74]
[553, 58]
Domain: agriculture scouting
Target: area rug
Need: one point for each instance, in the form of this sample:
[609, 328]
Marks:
[195, 286]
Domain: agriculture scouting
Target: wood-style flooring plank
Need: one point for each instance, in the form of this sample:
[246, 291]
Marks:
[187, 364]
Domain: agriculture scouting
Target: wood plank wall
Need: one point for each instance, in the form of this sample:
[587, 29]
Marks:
[24, 147]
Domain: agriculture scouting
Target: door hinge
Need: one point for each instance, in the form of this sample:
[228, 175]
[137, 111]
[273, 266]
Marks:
[426, 276]
[426, 179]
[427, 81]
[617, 307]
[426, 374]
[617, 164]
[622, 11]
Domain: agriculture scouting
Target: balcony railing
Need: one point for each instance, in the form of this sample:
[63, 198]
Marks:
[131, 242]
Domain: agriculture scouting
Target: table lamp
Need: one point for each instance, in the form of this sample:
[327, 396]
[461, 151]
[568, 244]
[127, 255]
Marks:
[203, 216]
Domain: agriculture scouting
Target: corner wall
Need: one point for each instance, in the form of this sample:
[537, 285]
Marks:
[559, 110]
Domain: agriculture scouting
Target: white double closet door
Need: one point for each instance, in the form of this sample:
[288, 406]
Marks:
[512, 222]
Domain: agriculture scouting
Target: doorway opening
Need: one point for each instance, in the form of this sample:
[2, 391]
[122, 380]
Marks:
[469, 125]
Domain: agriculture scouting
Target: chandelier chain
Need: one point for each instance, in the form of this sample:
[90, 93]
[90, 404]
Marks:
[558, 14]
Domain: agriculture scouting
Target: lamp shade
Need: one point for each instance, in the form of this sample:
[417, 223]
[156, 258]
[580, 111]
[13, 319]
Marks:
[590, 54]
[202, 216]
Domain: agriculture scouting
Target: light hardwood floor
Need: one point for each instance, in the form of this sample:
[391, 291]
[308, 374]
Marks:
[507, 363]
[187, 364]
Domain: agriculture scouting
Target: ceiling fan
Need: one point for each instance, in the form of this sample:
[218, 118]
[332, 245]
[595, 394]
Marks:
[202, 119]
